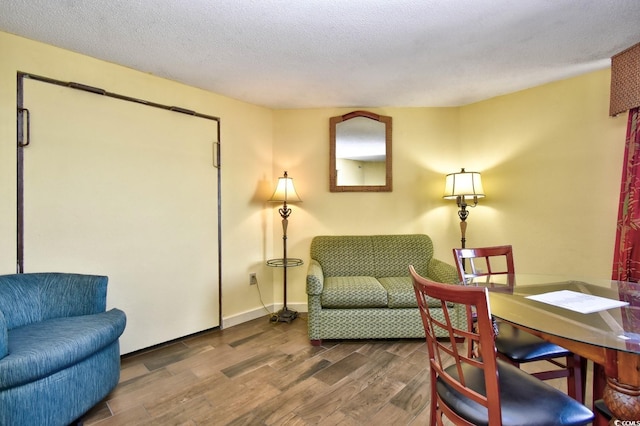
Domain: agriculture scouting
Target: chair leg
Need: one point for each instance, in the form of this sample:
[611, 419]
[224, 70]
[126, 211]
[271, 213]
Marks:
[600, 419]
[433, 406]
[577, 367]
[599, 381]
[602, 414]
[583, 377]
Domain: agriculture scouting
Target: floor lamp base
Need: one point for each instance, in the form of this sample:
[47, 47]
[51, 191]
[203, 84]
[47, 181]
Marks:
[284, 315]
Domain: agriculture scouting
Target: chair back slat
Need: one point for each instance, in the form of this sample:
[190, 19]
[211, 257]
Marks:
[484, 261]
[443, 354]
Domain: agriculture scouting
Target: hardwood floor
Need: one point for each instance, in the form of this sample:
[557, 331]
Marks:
[261, 373]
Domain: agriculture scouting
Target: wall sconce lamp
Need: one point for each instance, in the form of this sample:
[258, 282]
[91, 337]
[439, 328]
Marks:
[286, 193]
[463, 186]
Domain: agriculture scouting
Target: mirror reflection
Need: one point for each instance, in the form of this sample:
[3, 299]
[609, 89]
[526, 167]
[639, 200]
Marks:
[360, 152]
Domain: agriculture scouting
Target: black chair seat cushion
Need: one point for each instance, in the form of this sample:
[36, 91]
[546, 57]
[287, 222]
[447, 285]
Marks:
[520, 346]
[525, 400]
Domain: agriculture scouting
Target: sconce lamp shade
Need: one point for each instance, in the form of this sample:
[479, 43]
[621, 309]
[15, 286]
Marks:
[463, 184]
[285, 191]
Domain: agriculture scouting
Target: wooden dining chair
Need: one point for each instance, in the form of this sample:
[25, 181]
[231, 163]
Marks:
[482, 390]
[514, 345]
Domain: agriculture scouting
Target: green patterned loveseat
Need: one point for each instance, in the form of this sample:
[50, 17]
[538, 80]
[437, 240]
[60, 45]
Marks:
[359, 287]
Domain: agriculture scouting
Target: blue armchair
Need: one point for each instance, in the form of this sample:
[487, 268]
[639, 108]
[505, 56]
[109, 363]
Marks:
[59, 350]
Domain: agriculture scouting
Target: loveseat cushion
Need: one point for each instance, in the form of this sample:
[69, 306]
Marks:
[394, 253]
[399, 292]
[342, 256]
[41, 349]
[353, 292]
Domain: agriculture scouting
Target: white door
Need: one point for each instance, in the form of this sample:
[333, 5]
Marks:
[128, 191]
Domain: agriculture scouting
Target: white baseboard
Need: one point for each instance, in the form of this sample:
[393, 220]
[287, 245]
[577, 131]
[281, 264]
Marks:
[259, 313]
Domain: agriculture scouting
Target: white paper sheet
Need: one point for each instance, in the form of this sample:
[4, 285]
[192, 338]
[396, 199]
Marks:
[578, 302]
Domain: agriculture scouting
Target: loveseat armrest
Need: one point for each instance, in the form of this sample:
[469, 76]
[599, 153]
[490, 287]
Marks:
[442, 272]
[315, 278]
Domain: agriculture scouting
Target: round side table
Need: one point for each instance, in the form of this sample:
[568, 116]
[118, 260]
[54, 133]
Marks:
[285, 314]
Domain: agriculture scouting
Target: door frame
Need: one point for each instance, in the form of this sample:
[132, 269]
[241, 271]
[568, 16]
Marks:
[23, 140]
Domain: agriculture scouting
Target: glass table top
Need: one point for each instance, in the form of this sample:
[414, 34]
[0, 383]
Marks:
[615, 328]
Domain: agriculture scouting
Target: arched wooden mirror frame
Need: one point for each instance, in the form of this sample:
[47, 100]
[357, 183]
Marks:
[333, 175]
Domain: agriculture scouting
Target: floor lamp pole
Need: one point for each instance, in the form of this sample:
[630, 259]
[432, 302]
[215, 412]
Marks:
[285, 314]
[285, 222]
[284, 191]
[463, 213]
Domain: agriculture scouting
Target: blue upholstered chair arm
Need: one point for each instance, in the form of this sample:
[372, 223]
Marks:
[29, 298]
[59, 349]
[70, 295]
[315, 278]
[4, 337]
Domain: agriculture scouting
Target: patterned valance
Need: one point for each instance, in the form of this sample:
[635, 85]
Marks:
[625, 80]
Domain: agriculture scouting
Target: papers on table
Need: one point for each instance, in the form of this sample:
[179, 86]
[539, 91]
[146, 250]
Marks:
[578, 302]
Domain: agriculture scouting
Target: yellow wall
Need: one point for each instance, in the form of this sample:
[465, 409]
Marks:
[551, 162]
[550, 158]
[425, 147]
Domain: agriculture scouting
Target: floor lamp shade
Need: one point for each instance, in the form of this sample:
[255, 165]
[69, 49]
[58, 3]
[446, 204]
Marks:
[285, 191]
[463, 184]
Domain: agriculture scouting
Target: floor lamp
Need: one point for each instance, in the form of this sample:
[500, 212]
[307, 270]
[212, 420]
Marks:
[463, 186]
[286, 193]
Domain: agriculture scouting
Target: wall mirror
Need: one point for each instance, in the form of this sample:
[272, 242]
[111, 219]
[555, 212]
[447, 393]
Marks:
[360, 152]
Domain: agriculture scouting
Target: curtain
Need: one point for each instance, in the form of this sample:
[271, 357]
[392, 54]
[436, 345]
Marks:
[626, 260]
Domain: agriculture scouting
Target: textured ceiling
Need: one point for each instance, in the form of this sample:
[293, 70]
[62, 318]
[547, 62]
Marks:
[329, 53]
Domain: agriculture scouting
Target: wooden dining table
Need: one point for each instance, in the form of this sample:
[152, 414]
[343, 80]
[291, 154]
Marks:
[577, 314]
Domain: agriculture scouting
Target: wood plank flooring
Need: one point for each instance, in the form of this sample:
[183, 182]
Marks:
[263, 373]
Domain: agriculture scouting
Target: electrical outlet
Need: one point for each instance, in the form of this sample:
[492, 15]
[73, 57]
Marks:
[253, 280]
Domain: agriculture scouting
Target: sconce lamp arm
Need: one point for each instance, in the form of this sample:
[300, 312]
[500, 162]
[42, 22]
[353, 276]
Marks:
[463, 213]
